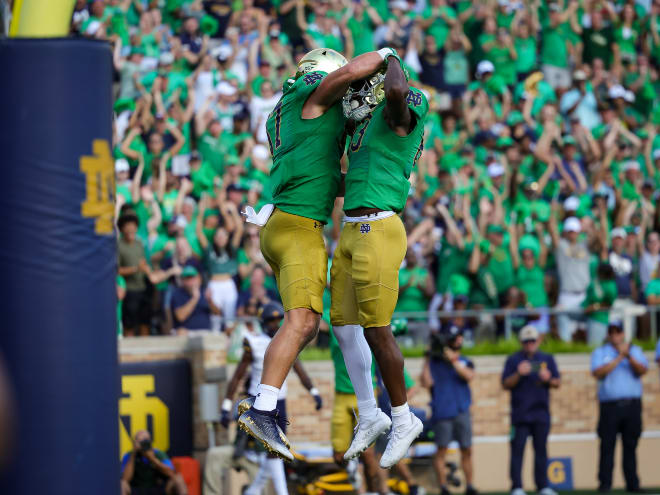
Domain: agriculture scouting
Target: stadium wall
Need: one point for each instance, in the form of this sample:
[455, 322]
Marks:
[574, 410]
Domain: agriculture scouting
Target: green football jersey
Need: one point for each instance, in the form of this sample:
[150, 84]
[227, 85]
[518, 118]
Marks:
[380, 161]
[306, 152]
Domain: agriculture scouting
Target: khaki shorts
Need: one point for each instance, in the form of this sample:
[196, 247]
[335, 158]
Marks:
[343, 421]
[293, 247]
[364, 277]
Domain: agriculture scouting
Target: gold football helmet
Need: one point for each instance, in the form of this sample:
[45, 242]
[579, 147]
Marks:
[363, 96]
[323, 59]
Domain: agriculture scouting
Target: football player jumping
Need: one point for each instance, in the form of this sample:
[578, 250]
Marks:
[306, 134]
[364, 278]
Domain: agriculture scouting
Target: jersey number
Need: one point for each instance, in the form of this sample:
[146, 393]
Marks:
[356, 145]
[278, 122]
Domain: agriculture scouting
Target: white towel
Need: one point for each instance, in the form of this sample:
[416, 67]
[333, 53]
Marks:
[260, 218]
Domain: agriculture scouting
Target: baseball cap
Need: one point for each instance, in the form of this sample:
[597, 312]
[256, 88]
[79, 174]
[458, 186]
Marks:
[189, 271]
[495, 170]
[194, 155]
[452, 331]
[166, 58]
[495, 229]
[504, 142]
[572, 203]
[235, 187]
[528, 332]
[568, 139]
[572, 224]
[616, 91]
[615, 326]
[579, 75]
[223, 52]
[484, 67]
[630, 165]
[399, 4]
[121, 165]
[618, 232]
[225, 89]
[515, 117]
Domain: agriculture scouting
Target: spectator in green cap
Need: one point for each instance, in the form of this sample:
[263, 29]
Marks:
[191, 305]
[529, 257]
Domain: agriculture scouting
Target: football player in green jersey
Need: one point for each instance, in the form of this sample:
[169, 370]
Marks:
[306, 134]
[389, 126]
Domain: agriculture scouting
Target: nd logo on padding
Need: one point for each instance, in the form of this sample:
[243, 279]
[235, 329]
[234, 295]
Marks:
[100, 187]
[142, 410]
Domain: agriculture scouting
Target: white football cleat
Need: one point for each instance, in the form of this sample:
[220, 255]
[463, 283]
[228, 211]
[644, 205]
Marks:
[400, 440]
[548, 491]
[518, 491]
[366, 434]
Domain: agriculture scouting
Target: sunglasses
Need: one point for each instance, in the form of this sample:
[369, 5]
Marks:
[528, 341]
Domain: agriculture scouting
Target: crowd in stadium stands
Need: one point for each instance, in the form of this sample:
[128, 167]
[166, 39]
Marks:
[537, 186]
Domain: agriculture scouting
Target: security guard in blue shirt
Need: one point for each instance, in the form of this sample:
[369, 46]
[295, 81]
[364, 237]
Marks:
[530, 374]
[448, 375]
[618, 366]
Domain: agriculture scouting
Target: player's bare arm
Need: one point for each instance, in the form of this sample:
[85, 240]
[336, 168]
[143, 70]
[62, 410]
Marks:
[335, 84]
[397, 114]
[240, 372]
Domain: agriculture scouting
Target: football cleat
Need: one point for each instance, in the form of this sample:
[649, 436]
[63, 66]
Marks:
[366, 434]
[262, 425]
[400, 440]
[247, 404]
[244, 405]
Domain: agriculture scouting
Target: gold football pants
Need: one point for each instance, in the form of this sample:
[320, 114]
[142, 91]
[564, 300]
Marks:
[293, 247]
[364, 277]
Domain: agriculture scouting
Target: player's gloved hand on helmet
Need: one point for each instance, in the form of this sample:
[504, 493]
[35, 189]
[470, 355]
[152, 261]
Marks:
[317, 398]
[225, 417]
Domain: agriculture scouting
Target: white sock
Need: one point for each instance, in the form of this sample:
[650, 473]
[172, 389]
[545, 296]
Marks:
[276, 468]
[357, 357]
[266, 397]
[368, 410]
[400, 415]
[260, 480]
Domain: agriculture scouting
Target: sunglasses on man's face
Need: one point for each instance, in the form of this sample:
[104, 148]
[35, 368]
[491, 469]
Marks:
[529, 341]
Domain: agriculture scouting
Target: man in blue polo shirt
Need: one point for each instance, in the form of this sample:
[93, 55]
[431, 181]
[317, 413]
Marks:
[448, 375]
[530, 374]
[618, 366]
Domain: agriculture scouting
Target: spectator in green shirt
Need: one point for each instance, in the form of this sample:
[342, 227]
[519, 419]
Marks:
[601, 294]
[555, 51]
[362, 19]
[437, 20]
[503, 55]
[415, 285]
[525, 44]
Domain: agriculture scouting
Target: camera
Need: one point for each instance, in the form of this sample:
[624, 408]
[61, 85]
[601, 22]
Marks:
[439, 340]
[145, 445]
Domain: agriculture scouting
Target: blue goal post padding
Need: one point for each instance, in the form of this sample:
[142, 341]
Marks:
[58, 265]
